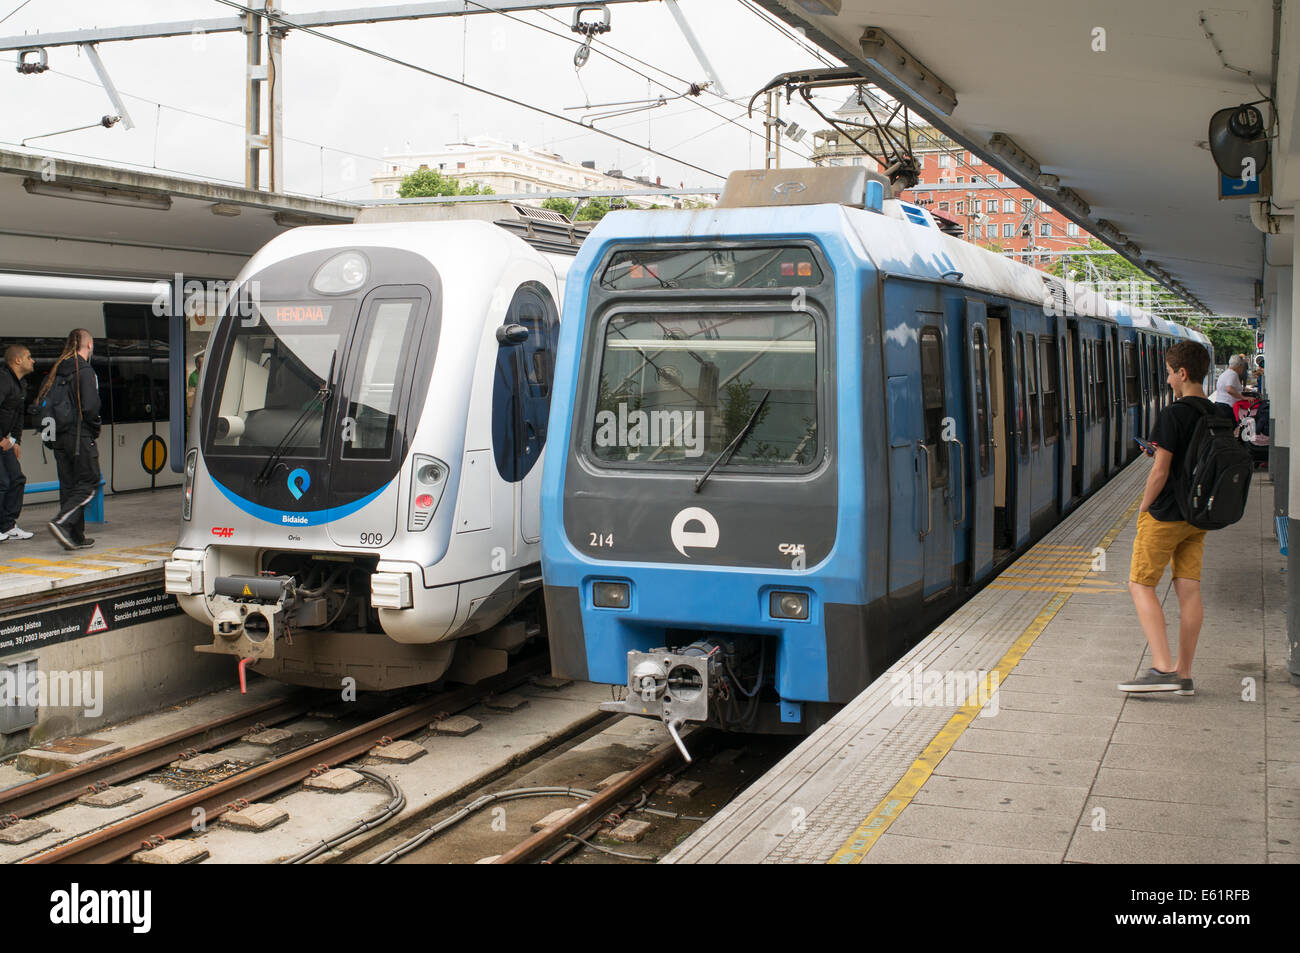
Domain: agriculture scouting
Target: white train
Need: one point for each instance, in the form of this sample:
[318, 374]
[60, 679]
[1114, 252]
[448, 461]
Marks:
[363, 494]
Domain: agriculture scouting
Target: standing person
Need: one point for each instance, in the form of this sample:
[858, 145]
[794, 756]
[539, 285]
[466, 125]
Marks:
[1227, 389]
[18, 364]
[192, 385]
[1163, 535]
[75, 453]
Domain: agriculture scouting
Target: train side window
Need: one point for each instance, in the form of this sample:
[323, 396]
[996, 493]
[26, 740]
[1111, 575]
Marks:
[933, 403]
[1031, 375]
[1048, 378]
[980, 358]
[1022, 427]
[1130, 375]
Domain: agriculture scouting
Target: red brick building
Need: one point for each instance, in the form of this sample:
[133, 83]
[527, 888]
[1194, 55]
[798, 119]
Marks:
[956, 185]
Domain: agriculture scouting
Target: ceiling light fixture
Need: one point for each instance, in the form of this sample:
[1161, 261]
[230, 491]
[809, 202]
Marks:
[103, 195]
[225, 209]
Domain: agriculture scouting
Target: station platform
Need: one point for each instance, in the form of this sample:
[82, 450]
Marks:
[1036, 757]
[137, 536]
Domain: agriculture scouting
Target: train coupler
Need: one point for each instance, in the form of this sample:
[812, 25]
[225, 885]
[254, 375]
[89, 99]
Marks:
[673, 686]
[249, 614]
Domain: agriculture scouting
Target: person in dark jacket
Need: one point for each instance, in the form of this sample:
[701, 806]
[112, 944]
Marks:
[75, 454]
[13, 399]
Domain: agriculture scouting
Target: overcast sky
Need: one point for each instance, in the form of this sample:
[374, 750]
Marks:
[349, 102]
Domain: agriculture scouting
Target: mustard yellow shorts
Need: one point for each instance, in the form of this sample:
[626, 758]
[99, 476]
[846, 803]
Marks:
[1158, 542]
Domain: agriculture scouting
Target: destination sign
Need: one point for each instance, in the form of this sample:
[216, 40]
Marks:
[299, 313]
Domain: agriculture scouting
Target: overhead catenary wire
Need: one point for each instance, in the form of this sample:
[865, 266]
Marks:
[398, 61]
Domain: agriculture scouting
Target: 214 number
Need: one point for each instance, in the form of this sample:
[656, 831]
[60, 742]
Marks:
[599, 541]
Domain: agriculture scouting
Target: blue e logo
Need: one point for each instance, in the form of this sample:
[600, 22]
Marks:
[299, 481]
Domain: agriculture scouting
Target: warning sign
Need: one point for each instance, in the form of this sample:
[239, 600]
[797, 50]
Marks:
[97, 623]
[23, 633]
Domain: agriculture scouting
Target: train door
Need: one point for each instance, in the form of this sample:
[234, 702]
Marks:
[936, 482]
[534, 308]
[999, 408]
[1077, 422]
[1049, 389]
[979, 475]
[1021, 436]
[133, 376]
[1117, 399]
[920, 525]
[1099, 444]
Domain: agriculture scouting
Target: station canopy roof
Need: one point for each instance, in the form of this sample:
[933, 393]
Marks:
[1125, 127]
[63, 216]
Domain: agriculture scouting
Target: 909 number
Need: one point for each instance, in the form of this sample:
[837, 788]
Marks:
[372, 539]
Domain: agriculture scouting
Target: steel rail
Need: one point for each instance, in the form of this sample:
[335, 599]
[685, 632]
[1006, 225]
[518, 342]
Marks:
[588, 812]
[119, 841]
[60, 787]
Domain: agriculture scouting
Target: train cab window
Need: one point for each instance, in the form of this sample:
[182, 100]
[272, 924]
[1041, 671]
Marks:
[1048, 377]
[269, 377]
[1022, 426]
[980, 357]
[1031, 378]
[375, 396]
[933, 403]
[677, 388]
[1130, 376]
[521, 391]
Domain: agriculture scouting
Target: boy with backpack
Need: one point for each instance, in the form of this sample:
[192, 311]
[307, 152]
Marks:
[1198, 482]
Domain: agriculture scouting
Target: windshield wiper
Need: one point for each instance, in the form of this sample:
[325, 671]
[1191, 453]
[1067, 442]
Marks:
[736, 441]
[322, 399]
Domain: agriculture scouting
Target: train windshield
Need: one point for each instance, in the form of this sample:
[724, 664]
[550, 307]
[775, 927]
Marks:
[677, 389]
[274, 367]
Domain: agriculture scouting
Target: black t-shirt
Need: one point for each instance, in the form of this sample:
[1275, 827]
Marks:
[1173, 432]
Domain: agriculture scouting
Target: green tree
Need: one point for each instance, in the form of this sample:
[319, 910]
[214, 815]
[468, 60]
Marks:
[593, 209]
[563, 206]
[1228, 341]
[429, 182]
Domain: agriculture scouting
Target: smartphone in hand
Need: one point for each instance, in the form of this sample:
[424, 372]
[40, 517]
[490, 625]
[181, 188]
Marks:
[1147, 446]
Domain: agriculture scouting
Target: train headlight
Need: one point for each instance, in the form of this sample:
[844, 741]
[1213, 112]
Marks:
[428, 479]
[191, 465]
[346, 271]
[788, 605]
[611, 595]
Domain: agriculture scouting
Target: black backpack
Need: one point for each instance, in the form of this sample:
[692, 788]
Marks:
[1216, 473]
[60, 405]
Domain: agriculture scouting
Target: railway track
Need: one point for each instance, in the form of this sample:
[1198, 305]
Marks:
[119, 840]
[58, 788]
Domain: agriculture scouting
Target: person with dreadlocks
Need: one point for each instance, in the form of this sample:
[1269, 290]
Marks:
[75, 453]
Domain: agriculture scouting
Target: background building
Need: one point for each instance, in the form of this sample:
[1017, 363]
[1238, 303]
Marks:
[511, 168]
[979, 203]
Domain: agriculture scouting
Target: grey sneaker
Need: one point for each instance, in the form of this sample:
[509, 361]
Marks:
[1153, 680]
[66, 541]
[1186, 687]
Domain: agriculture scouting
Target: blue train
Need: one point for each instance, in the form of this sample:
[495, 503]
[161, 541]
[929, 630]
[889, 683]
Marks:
[793, 432]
